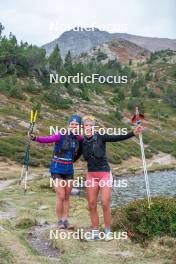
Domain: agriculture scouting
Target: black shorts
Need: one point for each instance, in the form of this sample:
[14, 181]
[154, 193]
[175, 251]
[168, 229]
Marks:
[62, 176]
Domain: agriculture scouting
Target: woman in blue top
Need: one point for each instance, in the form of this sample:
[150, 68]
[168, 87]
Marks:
[62, 171]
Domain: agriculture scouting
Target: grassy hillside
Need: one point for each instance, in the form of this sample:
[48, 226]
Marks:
[26, 220]
[24, 85]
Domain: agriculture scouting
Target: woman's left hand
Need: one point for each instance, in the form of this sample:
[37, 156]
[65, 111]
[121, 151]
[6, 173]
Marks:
[138, 130]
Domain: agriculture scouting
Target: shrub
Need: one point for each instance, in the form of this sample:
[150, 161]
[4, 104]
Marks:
[163, 145]
[3, 69]
[16, 92]
[9, 87]
[118, 115]
[36, 106]
[101, 56]
[32, 87]
[25, 221]
[56, 101]
[143, 223]
[151, 94]
[85, 95]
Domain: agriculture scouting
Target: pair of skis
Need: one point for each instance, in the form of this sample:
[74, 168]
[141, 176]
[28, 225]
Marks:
[25, 168]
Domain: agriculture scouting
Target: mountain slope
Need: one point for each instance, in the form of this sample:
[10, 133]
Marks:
[152, 44]
[151, 86]
[81, 41]
[120, 50]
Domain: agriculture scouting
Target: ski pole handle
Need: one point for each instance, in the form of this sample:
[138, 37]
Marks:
[31, 117]
[35, 116]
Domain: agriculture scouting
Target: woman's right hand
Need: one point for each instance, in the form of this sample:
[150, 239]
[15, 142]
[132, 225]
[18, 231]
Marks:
[31, 136]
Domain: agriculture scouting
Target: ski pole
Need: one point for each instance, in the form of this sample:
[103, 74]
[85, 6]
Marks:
[137, 120]
[25, 168]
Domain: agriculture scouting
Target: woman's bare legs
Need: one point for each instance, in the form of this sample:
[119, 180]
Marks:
[92, 195]
[63, 189]
[105, 203]
[60, 196]
[66, 204]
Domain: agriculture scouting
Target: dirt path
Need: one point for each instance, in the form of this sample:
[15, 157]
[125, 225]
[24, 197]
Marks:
[8, 213]
[42, 244]
[16, 252]
[5, 183]
[36, 237]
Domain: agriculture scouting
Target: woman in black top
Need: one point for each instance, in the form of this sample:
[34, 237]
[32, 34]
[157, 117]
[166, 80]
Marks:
[99, 177]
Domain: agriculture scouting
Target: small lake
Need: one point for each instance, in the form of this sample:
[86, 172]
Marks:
[128, 188]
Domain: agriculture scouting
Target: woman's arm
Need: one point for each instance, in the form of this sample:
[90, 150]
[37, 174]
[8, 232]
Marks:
[114, 138]
[48, 139]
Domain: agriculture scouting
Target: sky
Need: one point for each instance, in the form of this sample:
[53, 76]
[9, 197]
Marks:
[41, 21]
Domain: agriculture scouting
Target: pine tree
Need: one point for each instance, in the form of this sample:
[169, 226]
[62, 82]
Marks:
[1, 29]
[68, 62]
[55, 60]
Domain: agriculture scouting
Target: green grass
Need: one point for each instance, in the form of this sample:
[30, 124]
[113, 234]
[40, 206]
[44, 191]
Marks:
[72, 251]
[6, 255]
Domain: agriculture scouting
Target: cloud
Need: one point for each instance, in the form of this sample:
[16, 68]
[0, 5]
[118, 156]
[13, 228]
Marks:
[40, 21]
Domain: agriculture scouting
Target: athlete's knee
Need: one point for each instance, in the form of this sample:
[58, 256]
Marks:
[61, 196]
[92, 205]
[67, 196]
[105, 204]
